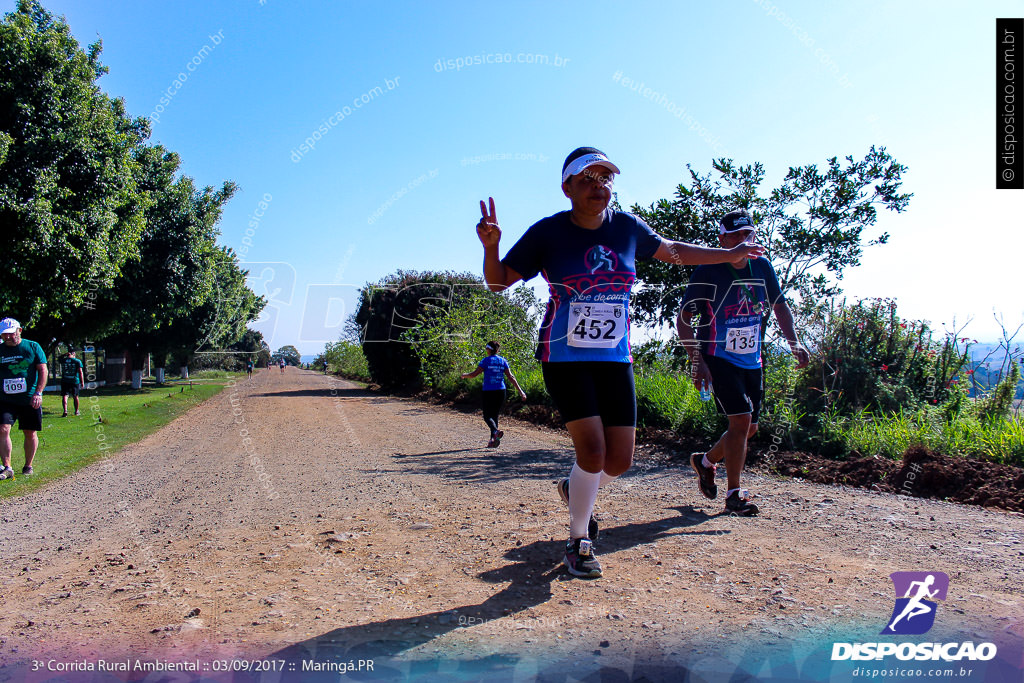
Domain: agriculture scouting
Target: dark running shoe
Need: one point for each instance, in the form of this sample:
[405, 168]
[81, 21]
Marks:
[6, 473]
[493, 443]
[497, 437]
[579, 559]
[738, 503]
[593, 531]
[705, 476]
[26, 470]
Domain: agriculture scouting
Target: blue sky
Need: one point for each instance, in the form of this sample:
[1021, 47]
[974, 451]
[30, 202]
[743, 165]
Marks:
[408, 133]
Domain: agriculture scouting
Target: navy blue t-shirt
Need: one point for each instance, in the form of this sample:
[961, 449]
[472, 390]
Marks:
[590, 275]
[494, 368]
[732, 305]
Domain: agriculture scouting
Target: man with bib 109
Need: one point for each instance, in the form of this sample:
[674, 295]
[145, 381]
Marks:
[732, 301]
[23, 376]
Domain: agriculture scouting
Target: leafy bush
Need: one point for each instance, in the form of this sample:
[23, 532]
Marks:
[396, 306]
[449, 341]
[346, 359]
[867, 357]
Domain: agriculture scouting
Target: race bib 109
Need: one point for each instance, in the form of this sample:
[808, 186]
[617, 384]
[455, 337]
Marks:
[596, 326]
[15, 386]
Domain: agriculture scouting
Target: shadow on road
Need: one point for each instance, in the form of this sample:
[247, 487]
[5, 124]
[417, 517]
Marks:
[488, 464]
[529, 575]
[340, 392]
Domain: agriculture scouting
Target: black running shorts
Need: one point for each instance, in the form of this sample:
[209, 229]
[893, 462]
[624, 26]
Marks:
[593, 389]
[68, 388]
[737, 390]
[29, 419]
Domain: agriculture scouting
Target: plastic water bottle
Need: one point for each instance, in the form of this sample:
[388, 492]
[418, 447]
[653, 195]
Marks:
[705, 392]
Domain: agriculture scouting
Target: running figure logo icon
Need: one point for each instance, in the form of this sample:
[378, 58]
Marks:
[600, 257]
[914, 613]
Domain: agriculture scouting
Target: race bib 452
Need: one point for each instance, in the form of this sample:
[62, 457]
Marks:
[596, 326]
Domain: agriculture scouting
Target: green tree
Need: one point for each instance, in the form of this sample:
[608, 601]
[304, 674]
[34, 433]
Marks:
[391, 308]
[175, 270]
[290, 354]
[69, 199]
[813, 225]
[252, 347]
[221, 319]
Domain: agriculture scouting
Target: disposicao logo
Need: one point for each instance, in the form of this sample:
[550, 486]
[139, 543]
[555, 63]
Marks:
[914, 614]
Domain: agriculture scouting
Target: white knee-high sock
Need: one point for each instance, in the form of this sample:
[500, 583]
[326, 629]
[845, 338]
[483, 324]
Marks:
[607, 478]
[582, 494]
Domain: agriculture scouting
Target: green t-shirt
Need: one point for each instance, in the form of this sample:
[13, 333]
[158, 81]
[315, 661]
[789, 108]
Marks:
[18, 374]
[69, 371]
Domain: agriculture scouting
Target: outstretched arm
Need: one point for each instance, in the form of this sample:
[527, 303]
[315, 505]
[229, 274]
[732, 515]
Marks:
[686, 254]
[471, 375]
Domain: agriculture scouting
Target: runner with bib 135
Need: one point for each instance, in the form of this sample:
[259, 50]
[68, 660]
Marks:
[588, 257]
[723, 311]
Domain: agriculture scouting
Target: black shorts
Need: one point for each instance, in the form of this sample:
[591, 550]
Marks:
[29, 419]
[593, 389]
[737, 390]
[68, 388]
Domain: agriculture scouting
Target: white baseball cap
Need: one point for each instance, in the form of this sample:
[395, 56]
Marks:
[9, 325]
[582, 157]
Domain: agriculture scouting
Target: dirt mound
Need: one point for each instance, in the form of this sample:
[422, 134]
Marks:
[921, 473]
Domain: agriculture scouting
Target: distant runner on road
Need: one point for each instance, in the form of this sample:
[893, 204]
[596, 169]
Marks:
[733, 301]
[495, 369]
[249, 365]
[587, 256]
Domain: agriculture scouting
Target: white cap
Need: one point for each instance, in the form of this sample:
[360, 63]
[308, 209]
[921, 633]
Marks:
[9, 325]
[579, 163]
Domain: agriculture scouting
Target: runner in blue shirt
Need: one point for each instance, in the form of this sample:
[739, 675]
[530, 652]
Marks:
[732, 301]
[495, 369]
[588, 257]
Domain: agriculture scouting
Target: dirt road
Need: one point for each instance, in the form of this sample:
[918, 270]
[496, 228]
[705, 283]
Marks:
[296, 517]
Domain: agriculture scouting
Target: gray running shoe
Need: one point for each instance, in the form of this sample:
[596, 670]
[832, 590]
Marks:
[738, 503]
[579, 559]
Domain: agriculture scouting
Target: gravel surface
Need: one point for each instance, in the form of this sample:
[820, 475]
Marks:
[298, 516]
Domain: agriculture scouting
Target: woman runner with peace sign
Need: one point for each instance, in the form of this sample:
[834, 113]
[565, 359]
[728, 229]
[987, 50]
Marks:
[588, 257]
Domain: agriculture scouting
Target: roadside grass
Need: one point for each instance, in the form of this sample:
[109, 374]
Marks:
[112, 417]
[1000, 441]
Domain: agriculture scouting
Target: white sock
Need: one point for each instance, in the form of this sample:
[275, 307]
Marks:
[606, 479]
[582, 494]
[707, 463]
[730, 492]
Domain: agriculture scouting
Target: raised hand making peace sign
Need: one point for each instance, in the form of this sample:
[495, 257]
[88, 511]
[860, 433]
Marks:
[487, 229]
